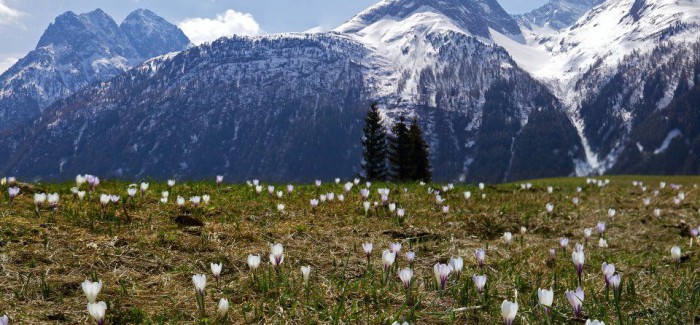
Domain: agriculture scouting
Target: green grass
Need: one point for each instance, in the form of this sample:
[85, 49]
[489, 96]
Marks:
[146, 259]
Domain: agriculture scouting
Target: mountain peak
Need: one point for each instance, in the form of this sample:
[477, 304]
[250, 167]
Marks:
[472, 16]
[151, 35]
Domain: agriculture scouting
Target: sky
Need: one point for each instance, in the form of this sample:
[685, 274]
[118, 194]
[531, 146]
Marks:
[23, 21]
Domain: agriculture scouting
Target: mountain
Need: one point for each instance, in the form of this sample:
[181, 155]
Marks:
[555, 15]
[617, 69]
[290, 107]
[77, 50]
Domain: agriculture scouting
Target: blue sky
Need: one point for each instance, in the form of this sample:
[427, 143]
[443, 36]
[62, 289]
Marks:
[23, 21]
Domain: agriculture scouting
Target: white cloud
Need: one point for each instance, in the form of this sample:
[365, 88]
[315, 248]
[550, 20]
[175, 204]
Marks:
[7, 14]
[201, 30]
[6, 63]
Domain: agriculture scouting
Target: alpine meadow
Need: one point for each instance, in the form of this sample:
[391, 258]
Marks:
[418, 162]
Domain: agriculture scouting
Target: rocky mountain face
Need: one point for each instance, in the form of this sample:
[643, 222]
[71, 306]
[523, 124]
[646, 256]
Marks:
[76, 51]
[290, 107]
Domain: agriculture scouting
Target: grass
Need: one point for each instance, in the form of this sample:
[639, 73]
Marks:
[147, 253]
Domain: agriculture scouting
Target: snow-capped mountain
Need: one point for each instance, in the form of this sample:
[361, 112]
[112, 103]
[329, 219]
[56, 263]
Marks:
[555, 15]
[77, 50]
[620, 63]
[290, 106]
[498, 99]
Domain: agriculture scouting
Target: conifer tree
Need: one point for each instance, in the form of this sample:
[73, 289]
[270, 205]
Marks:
[374, 143]
[400, 156]
[419, 153]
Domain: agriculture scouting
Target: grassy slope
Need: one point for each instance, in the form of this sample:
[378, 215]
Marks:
[146, 260]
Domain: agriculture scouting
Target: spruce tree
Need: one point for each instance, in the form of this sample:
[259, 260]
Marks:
[374, 143]
[400, 153]
[419, 153]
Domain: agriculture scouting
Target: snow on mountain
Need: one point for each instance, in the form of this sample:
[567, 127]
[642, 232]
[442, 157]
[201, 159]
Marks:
[555, 15]
[77, 50]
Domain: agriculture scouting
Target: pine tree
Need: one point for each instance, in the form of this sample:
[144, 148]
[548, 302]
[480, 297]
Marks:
[374, 143]
[400, 152]
[419, 153]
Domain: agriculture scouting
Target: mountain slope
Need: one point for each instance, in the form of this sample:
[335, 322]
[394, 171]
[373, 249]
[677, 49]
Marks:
[75, 51]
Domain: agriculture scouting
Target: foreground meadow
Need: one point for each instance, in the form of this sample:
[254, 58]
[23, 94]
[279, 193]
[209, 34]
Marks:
[145, 248]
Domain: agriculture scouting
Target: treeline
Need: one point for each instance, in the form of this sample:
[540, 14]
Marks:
[400, 157]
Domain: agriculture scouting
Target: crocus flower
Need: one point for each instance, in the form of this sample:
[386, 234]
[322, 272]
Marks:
[549, 207]
[602, 243]
[467, 195]
[587, 233]
[4, 320]
[507, 237]
[406, 275]
[366, 206]
[91, 290]
[276, 255]
[367, 248]
[98, 311]
[114, 199]
[52, 199]
[601, 228]
[144, 187]
[657, 212]
[253, 261]
[216, 270]
[545, 298]
[195, 200]
[594, 322]
[348, 187]
[256, 182]
[322, 197]
[410, 256]
[180, 201]
[219, 180]
[508, 311]
[13, 192]
[480, 255]
[608, 270]
[171, 183]
[364, 193]
[388, 258]
[646, 202]
[457, 263]
[550, 189]
[39, 199]
[104, 200]
[441, 271]
[479, 283]
[258, 189]
[356, 181]
[576, 201]
[676, 254]
[615, 281]
[563, 242]
[578, 258]
[222, 307]
[200, 283]
[400, 213]
[318, 183]
[206, 198]
[481, 186]
[290, 188]
[552, 253]
[395, 247]
[575, 299]
[305, 273]
[280, 207]
[392, 207]
[611, 213]
[79, 180]
[81, 195]
[280, 194]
